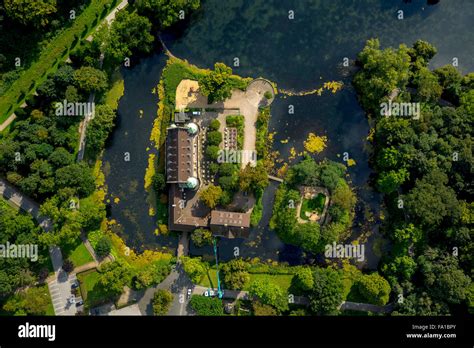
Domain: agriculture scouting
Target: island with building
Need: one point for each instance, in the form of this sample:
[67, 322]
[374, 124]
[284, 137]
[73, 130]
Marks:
[211, 163]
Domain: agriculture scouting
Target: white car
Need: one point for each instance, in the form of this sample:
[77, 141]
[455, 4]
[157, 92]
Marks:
[190, 291]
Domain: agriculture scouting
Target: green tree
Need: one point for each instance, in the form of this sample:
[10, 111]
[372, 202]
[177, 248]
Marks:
[60, 158]
[428, 88]
[162, 300]
[260, 309]
[303, 279]
[344, 196]
[99, 129]
[166, 12]
[327, 292]
[90, 79]
[216, 85]
[202, 237]
[235, 274]
[211, 195]
[214, 125]
[33, 301]
[269, 294]
[77, 176]
[374, 288]
[389, 182]
[443, 277]
[424, 50]
[34, 12]
[431, 200]
[159, 182]
[129, 33]
[331, 174]
[207, 306]
[103, 247]
[307, 236]
[214, 138]
[64, 76]
[450, 80]
[306, 172]
[212, 152]
[253, 178]
[382, 72]
[420, 304]
[113, 276]
[194, 268]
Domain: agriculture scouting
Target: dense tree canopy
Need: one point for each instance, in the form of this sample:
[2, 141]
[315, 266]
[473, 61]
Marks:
[424, 167]
[167, 12]
[235, 274]
[217, 85]
[34, 12]
[129, 34]
[269, 294]
[326, 294]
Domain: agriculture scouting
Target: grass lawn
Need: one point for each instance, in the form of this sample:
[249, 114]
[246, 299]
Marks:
[282, 280]
[91, 291]
[116, 91]
[210, 280]
[56, 51]
[79, 255]
[313, 204]
[50, 309]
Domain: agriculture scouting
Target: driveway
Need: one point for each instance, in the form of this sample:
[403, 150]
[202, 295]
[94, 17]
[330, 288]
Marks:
[178, 283]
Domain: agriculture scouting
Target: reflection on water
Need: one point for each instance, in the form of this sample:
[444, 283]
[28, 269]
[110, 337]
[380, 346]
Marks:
[298, 54]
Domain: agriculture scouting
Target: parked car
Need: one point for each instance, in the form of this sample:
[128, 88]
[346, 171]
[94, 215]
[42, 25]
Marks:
[79, 303]
[209, 293]
[75, 285]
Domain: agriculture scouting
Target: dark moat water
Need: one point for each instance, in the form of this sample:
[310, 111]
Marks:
[297, 54]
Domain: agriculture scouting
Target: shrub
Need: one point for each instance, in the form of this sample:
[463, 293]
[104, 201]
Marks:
[268, 95]
[162, 301]
[194, 268]
[374, 288]
[68, 266]
[212, 152]
[159, 182]
[214, 125]
[207, 306]
[201, 237]
[103, 247]
[214, 138]
[235, 274]
[303, 279]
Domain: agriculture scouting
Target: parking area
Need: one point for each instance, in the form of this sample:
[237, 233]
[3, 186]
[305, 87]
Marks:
[61, 293]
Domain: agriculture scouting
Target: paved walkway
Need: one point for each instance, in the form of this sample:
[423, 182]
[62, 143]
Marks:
[367, 307]
[240, 294]
[7, 122]
[248, 102]
[110, 17]
[274, 178]
[183, 245]
[11, 194]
